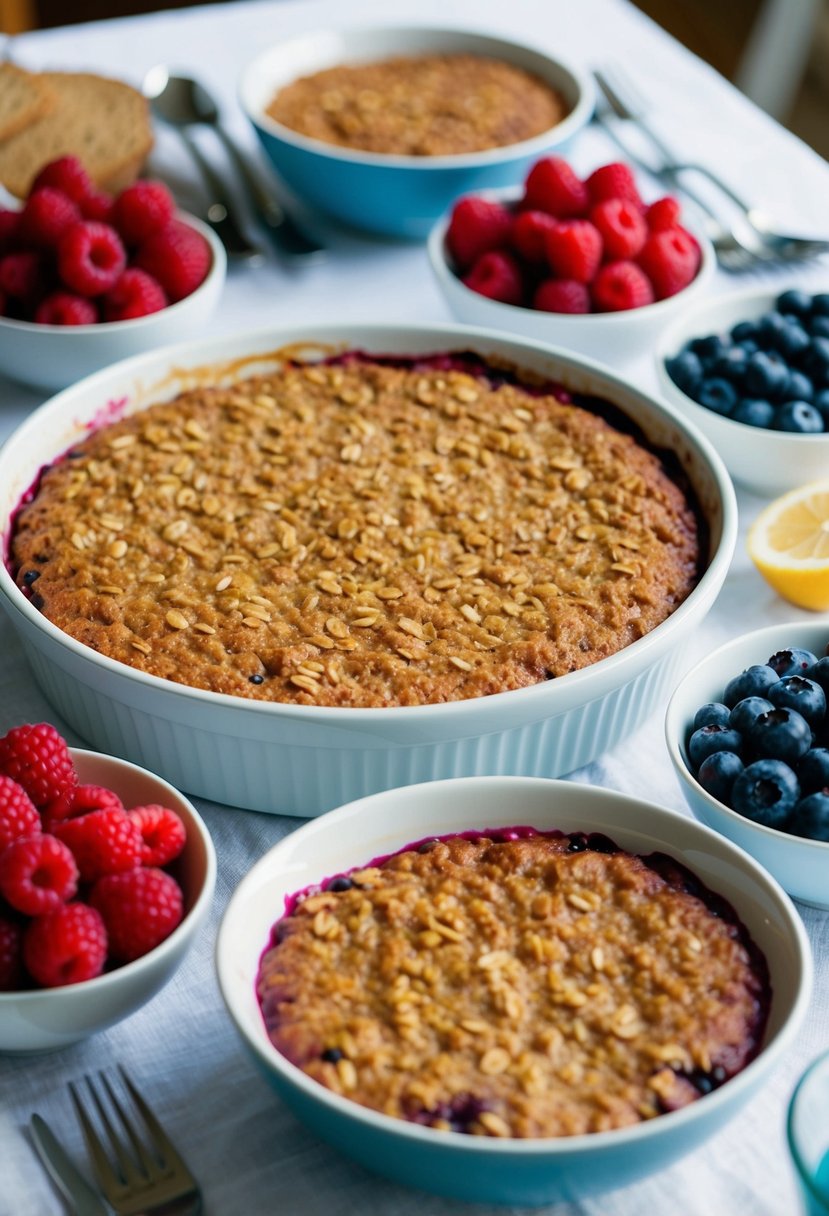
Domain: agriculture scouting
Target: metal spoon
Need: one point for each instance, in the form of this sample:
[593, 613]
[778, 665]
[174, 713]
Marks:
[183, 102]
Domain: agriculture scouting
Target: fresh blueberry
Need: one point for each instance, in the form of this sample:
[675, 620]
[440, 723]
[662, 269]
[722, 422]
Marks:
[713, 713]
[820, 304]
[685, 369]
[749, 345]
[766, 375]
[755, 681]
[810, 817]
[799, 388]
[819, 327]
[770, 327]
[780, 734]
[797, 692]
[819, 672]
[753, 411]
[709, 739]
[730, 364]
[708, 346]
[792, 341]
[821, 403]
[813, 770]
[717, 774]
[794, 301]
[767, 791]
[744, 331]
[745, 712]
[815, 361]
[792, 661]
[716, 394]
[799, 417]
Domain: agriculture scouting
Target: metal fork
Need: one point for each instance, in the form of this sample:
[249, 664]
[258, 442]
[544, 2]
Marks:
[147, 1174]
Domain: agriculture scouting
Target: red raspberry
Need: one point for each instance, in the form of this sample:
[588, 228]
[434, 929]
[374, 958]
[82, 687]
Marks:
[163, 835]
[554, 187]
[528, 234]
[46, 215]
[142, 209]
[615, 180]
[574, 250]
[66, 174]
[562, 295]
[622, 227]
[664, 213]
[93, 798]
[67, 946]
[619, 286]
[178, 257]
[140, 909]
[670, 258]
[11, 955]
[18, 814]
[136, 294]
[36, 757]
[64, 308]
[97, 206]
[9, 221]
[476, 226]
[102, 842]
[22, 274]
[497, 276]
[91, 258]
[37, 874]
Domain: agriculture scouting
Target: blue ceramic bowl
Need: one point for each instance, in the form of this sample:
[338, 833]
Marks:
[398, 196]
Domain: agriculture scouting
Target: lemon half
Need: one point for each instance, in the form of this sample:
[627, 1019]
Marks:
[789, 544]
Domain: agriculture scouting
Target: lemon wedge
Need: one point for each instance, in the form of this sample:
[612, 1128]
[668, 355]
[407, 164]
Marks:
[789, 544]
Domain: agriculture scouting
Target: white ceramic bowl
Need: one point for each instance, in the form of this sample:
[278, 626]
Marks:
[53, 356]
[800, 866]
[48, 1018]
[766, 462]
[611, 337]
[481, 1168]
[397, 195]
[301, 760]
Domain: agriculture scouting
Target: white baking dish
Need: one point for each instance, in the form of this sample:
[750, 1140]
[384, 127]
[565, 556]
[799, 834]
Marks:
[302, 760]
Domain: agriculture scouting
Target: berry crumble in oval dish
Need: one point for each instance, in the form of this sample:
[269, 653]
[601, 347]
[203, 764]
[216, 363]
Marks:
[515, 984]
[361, 532]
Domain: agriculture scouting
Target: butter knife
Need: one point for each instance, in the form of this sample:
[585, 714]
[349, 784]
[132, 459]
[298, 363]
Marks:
[69, 1181]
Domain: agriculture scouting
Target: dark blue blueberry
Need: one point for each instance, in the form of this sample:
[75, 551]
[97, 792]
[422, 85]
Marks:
[744, 331]
[770, 328]
[815, 361]
[767, 791]
[709, 739]
[794, 301]
[813, 770]
[749, 345]
[713, 713]
[708, 346]
[765, 375]
[799, 388]
[716, 394]
[331, 1055]
[799, 417]
[685, 369]
[256, 679]
[820, 304]
[717, 774]
[821, 403]
[745, 712]
[810, 817]
[730, 364]
[340, 883]
[755, 681]
[31, 576]
[780, 734]
[792, 342]
[792, 661]
[753, 411]
[819, 672]
[819, 327]
[801, 694]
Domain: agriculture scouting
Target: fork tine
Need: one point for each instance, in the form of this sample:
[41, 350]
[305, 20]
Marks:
[161, 1141]
[106, 1175]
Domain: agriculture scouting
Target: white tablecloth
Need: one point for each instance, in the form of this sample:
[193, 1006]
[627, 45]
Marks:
[246, 1148]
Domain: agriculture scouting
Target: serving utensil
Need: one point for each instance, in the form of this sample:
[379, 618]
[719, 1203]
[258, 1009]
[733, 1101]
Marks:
[183, 103]
[60, 1167]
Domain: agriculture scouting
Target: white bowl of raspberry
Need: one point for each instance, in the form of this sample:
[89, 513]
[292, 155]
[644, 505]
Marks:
[106, 876]
[87, 279]
[583, 263]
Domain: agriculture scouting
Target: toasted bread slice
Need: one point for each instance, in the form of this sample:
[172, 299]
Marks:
[105, 123]
[24, 97]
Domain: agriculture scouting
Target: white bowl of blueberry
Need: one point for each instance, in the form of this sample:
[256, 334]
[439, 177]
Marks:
[748, 734]
[751, 369]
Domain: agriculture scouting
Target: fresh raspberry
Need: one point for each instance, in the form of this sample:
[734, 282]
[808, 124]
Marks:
[93, 798]
[18, 814]
[67, 946]
[66, 174]
[619, 286]
[37, 874]
[9, 222]
[528, 234]
[574, 250]
[140, 909]
[664, 213]
[622, 227]
[22, 274]
[102, 842]
[498, 276]
[562, 295]
[97, 206]
[163, 835]
[64, 308]
[11, 955]
[178, 257]
[670, 258]
[554, 187]
[37, 757]
[46, 215]
[136, 294]
[615, 180]
[91, 258]
[142, 209]
[476, 226]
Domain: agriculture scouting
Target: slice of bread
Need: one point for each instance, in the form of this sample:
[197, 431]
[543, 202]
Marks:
[24, 97]
[105, 123]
